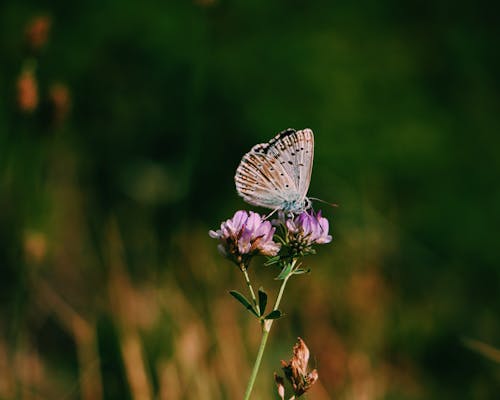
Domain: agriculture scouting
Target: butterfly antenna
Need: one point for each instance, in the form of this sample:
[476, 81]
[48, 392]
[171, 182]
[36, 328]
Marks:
[323, 201]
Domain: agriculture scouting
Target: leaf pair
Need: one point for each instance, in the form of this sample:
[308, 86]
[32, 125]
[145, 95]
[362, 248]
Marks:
[257, 311]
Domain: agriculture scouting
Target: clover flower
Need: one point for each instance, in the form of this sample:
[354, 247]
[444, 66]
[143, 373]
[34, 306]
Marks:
[300, 232]
[309, 228]
[296, 371]
[245, 235]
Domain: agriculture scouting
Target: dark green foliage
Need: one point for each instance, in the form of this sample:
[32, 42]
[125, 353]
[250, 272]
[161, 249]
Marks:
[243, 300]
[275, 314]
[262, 301]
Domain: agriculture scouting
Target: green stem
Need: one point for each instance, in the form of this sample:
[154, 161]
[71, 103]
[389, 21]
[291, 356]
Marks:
[250, 288]
[256, 366]
[266, 328]
[282, 288]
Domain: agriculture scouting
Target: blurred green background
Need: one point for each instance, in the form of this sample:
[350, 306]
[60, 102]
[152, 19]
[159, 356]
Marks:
[121, 126]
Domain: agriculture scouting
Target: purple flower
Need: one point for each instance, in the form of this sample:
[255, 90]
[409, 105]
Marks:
[245, 235]
[308, 229]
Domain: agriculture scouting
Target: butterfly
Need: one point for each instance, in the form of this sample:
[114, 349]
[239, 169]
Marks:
[277, 174]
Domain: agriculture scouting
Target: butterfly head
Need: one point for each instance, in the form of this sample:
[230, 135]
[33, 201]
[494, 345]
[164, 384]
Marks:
[296, 206]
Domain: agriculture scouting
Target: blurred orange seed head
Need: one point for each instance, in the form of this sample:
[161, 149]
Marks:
[60, 99]
[35, 247]
[37, 32]
[27, 91]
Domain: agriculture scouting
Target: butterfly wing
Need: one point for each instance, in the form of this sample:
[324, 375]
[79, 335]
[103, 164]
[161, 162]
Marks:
[279, 172]
[295, 149]
[262, 181]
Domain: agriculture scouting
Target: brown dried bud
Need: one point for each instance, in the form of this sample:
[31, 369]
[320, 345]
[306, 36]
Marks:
[296, 369]
[280, 382]
[37, 32]
[27, 91]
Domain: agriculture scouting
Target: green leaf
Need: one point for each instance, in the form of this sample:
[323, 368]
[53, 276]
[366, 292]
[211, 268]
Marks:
[243, 300]
[275, 314]
[272, 260]
[301, 271]
[262, 300]
[284, 272]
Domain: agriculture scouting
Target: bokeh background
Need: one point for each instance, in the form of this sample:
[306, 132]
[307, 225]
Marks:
[121, 126]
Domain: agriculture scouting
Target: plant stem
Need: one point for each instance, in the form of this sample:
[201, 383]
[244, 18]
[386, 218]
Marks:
[266, 328]
[282, 288]
[250, 288]
[263, 341]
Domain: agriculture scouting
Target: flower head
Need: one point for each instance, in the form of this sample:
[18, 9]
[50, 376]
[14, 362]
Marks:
[309, 228]
[296, 370]
[301, 232]
[245, 235]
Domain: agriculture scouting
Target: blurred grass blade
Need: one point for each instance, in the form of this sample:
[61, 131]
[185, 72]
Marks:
[482, 348]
